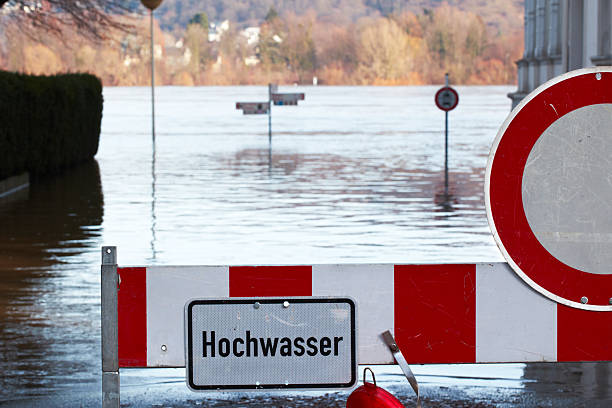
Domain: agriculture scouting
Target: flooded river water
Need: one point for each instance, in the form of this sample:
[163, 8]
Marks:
[354, 174]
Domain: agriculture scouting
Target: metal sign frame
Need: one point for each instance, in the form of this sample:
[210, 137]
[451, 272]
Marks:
[503, 195]
[189, 370]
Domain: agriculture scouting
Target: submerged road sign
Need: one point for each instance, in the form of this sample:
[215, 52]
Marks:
[274, 97]
[253, 108]
[281, 99]
[265, 343]
[548, 189]
[446, 98]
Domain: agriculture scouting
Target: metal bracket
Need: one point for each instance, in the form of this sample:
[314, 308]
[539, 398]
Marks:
[401, 361]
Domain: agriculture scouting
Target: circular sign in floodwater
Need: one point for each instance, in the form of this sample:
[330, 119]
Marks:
[548, 189]
[446, 98]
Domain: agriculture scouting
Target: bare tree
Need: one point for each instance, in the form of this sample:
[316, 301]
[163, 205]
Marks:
[92, 18]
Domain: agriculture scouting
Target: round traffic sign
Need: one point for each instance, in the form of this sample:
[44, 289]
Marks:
[548, 189]
[446, 98]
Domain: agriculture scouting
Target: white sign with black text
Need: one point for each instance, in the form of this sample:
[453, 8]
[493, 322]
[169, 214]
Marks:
[270, 343]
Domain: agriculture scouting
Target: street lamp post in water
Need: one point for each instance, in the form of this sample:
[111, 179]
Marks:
[152, 5]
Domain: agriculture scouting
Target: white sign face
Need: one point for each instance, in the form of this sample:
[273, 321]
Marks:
[566, 189]
[270, 343]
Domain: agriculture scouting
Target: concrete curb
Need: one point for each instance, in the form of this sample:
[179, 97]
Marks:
[14, 184]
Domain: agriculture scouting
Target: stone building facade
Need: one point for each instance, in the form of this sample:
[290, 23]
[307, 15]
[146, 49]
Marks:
[560, 36]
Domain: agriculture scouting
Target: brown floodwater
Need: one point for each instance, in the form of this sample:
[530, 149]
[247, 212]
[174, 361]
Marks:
[355, 174]
[49, 304]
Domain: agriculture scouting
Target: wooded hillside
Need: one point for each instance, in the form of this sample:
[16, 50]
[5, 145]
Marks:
[501, 15]
[354, 42]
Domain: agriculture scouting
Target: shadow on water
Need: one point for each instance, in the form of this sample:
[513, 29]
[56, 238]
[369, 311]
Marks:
[53, 218]
[590, 381]
[265, 160]
[445, 202]
[419, 190]
[46, 283]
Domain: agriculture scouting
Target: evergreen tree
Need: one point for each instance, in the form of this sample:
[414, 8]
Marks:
[272, 14]
[201, 19]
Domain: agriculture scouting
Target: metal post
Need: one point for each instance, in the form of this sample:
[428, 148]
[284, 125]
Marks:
[269, 159]
[153, 136]
[153, 202]
[446, 143]
[270, 115]
[152, 83]
[446, 152]
[110, 332]
[565, 18]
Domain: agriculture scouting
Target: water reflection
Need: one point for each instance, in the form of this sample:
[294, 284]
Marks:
[260, 160]
[445, 201]
[153, 202]
[589, 381]
[47, 295]
[270, 159]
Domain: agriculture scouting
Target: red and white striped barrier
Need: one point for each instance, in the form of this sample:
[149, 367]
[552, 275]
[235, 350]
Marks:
[472, 313]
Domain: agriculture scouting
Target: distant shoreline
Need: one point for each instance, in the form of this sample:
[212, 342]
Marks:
[303, 85]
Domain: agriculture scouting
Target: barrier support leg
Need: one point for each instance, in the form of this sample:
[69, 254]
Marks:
[110, 332]
[110, 389]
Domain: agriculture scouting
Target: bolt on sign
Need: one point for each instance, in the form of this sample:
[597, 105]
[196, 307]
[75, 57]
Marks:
[264, 343]
[548, 189]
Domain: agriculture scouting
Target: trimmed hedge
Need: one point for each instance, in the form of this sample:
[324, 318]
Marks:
[48, 123]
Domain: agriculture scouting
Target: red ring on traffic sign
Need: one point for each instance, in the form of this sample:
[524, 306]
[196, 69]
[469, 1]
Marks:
[446, 89]
[503, 189]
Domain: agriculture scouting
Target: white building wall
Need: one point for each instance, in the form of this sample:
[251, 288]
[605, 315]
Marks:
[562, 35]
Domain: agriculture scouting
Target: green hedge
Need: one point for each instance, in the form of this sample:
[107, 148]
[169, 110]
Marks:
[48, 123]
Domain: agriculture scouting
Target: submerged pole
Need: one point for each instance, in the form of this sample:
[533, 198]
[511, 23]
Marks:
[152, 83]
[270, 115]
[152, 5]
[446, 143]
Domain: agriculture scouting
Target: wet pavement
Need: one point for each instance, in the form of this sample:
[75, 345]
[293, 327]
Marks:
[441, 386]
